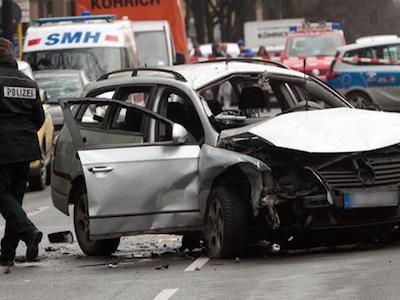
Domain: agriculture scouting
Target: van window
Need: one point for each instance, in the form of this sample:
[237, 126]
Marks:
[152, 48]
[94, 61]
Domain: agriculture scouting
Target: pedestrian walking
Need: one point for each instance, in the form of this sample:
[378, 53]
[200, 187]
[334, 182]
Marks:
[197, 51]
[216, 51]
[263, 53]
[21, 115]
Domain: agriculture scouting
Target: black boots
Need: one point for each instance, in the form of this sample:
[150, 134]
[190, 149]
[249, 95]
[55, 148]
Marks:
[32, 240]
[6, 262]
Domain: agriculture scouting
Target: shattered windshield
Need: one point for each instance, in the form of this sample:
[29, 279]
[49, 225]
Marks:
[244, 100]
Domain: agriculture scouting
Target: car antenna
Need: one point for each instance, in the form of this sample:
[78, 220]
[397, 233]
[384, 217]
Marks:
[305, 82]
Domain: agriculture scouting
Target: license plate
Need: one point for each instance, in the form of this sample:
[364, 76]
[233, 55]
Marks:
[370, 199]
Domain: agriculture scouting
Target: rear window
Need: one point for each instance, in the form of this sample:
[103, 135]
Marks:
[152, 48]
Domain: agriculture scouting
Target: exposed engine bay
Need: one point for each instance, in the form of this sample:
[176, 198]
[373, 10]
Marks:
[306, 192]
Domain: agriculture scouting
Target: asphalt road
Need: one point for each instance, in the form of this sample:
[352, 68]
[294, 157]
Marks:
[149, 267]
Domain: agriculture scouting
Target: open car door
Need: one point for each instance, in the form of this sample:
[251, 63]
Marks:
[140, 173]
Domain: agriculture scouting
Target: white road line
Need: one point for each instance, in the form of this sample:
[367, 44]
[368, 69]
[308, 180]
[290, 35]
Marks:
[37, 211]
[165, 294]
[197, 264]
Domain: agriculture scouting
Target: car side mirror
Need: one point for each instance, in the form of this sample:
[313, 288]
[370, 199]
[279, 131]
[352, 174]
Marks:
[179, 134]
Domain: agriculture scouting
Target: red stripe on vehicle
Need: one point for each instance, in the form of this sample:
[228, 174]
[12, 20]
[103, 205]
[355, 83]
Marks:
[111, 38]
[34, 42]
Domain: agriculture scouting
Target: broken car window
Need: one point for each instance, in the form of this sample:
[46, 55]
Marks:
[261, 96]
[179, 109]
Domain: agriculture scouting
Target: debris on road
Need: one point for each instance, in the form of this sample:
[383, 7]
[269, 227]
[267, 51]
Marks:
[237, 260]
[51, 249]
[162, 267]
[61, 237]
[112, 266]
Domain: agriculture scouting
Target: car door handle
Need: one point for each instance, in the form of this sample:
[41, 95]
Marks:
[102, 169]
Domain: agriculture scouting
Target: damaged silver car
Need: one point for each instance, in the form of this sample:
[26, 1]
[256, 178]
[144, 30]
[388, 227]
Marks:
[288, 161]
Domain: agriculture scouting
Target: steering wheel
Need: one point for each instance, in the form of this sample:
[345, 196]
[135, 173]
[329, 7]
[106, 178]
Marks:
[303, 105]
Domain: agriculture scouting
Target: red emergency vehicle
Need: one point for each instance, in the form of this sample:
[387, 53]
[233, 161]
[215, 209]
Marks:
[315, 42]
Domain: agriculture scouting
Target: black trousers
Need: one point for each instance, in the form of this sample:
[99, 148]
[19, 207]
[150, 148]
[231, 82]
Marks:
[13, 178]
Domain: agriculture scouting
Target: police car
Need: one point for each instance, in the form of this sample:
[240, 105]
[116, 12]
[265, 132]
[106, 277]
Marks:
[95, 44]
[368, 73]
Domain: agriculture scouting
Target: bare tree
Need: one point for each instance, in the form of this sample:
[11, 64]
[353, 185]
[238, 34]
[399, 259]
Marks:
[228, 15]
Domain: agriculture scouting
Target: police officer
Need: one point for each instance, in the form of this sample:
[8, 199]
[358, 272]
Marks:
[21, 115]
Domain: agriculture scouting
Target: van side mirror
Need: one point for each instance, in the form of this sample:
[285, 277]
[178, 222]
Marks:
[43, 96]
[179, 134]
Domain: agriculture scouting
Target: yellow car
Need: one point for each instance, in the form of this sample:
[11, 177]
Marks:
[39, 172]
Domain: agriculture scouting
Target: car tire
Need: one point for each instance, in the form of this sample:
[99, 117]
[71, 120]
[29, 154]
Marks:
[38, 183]
[226, 223]
[362, 101]
[81, 225]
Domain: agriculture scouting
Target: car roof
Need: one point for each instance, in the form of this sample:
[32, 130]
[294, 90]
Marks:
[203, 74]
[370, 43]
[200, 75]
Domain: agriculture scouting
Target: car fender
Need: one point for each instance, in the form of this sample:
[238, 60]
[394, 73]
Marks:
[215, 162]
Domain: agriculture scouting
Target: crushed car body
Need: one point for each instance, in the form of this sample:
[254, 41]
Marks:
[163, 156]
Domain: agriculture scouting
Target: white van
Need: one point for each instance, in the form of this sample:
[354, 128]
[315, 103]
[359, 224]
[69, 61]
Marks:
[95, 44]
[154, 43]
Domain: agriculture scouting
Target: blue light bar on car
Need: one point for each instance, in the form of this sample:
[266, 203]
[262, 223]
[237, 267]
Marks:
[336, 26]
[292, 28]
[107, 18]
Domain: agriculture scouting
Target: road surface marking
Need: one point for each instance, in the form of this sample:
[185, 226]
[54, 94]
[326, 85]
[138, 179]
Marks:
[37, 211]
[165, 294]
[32, 213]
[197, 264]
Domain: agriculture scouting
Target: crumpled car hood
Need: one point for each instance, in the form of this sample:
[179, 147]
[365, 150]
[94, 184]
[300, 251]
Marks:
[336, 130]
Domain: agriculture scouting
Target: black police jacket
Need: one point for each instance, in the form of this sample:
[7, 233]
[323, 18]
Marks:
[21, 115]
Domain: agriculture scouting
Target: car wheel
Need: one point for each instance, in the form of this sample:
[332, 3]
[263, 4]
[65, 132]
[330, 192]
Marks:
[38, 183]
[362, 101]
[81, 222]
[226, 223]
